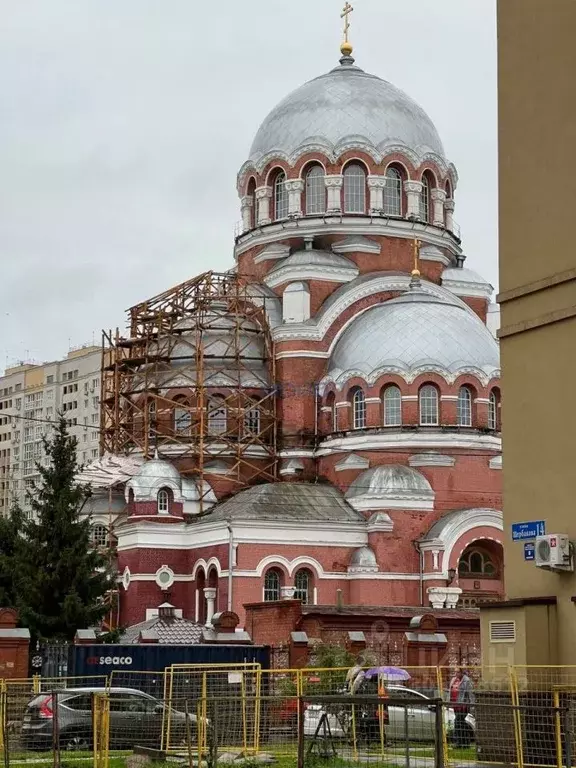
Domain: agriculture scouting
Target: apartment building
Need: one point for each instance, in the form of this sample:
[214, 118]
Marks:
[31, 396]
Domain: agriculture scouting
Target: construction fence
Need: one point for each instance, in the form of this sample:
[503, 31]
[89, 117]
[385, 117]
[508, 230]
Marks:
[242, 714]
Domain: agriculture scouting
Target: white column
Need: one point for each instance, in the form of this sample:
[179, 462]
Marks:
[287, 593]
[376, 186]
[334, 185]
[263, 197]
[295, 187]
[210, 597]
[413, 191]
[449, 208]
[247, 203]
[438, 198]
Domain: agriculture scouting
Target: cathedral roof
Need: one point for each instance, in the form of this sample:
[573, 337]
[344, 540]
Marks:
[287, 502]
[345, 106]
[388, 479]
[416, 332]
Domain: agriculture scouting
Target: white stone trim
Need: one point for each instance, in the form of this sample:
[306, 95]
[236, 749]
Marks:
[291, 566]
[431, 460]
[325, 224]
[294, 353]
[408, 440]
[413, 502]
[297, 453]
[372, 400]
[206, 565]
[305, 272]
[466, 288]
[449, 398]
[273, 251]
[495, 462]
[343, 404]
[352, 462]
[435, 254]
[358, 244]
[465, 521]
[482, 400]
[152, 613]
[409, 398]
[333, 152]
[164, 569]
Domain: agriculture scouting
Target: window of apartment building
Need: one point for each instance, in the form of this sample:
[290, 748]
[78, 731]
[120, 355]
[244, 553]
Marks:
[50, 395]
[95, 401]
[50, 379]
[28, 467]
[49, 412]
[85, 437]
[95, 418]
[17, 387]
[28, 451]
[18, 403]
[95, 435]
[94, 453]
[95, 383]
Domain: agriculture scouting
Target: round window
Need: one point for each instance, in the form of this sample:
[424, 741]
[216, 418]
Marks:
[164, 577]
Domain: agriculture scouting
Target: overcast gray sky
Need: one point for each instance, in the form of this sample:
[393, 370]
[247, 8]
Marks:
[124, 122]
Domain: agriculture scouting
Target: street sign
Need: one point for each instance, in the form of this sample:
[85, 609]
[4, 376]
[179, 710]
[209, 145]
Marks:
[524, 531]
[529, 551]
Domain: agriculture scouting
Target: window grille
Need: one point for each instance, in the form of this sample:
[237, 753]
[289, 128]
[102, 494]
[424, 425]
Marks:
[428, 400]
[354, 189]
[392, 407]
[393, 193]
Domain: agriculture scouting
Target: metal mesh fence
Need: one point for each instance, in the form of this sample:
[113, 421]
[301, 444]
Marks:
[243, 715]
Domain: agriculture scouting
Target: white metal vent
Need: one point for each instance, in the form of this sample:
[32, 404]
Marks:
[502, 631]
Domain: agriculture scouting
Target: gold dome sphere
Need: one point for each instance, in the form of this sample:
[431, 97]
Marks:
[346, 48]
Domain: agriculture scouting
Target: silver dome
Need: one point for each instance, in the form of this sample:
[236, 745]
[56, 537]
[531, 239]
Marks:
[158, 468]
[412, 334]
[345, 106]
[389, 479]
[363, 557]
[463, 275]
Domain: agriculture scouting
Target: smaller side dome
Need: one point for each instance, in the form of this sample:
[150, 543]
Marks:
[152, 476]
[390, 486]
[363, 559]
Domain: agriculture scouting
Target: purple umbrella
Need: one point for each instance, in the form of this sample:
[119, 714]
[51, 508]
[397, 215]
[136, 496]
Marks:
[391, 674]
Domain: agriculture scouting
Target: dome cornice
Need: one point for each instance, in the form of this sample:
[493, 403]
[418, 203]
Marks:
[408, 374]
[333, 153]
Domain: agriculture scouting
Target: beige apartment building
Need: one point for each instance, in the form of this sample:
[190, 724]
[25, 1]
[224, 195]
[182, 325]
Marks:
[31, 396]
[537, 128]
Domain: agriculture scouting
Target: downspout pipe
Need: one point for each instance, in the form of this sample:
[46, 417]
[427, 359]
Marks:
[230, 564]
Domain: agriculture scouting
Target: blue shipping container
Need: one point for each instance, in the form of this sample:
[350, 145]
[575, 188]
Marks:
[89, 660]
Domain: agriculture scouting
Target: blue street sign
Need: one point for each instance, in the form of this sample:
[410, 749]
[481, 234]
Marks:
[529, 551]
[523, 531]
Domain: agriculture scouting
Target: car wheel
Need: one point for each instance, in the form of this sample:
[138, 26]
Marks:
[77, 744]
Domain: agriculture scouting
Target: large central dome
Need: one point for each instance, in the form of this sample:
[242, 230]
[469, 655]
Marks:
[345, 106]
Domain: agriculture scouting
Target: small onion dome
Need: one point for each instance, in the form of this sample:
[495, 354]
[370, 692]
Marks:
[390, 486]
[363, 559]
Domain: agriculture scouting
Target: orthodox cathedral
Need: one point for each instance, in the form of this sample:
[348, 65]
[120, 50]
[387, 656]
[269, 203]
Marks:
[322, 421]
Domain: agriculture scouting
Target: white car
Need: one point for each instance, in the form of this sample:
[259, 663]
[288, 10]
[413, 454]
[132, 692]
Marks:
[419, 718]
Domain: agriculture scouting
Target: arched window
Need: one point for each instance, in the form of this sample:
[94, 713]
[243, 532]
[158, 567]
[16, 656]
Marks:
[272, 583]
[200, 599]
[425, 199]
[464, 410]
[163, 502]
[476, 562]
[354, 189]
[99, 535]
[217, 416]
[315, 190]
[280, 196]
[448, 190]
[493, 406]
[333, 415]
[252, 420]
[393, 192]
[303, 586]
[182, 421]
[428, 402]
[392, 406]
[152, 420]
[358, 409]
[251, 193]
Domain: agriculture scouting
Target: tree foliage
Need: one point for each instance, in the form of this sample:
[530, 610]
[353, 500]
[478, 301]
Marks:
[61, 580]
[10, 533]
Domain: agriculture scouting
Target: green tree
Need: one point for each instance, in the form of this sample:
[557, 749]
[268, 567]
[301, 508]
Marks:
[10, 535]
[61, 579]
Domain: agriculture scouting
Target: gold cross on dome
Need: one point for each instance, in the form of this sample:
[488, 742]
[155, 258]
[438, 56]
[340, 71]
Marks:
[417, 246]
[347, 10]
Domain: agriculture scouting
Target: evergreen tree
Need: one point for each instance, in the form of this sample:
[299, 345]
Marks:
[61, 578]
[10, 535]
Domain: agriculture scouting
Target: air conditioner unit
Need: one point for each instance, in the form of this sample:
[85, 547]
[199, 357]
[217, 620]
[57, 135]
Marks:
[554, 552]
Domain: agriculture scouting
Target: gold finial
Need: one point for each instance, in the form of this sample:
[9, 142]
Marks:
[346, 47]
[417, 245]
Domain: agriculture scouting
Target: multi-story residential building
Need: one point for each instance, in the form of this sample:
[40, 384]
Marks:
[31, 397]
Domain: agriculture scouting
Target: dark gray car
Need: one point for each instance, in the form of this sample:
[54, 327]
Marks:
[136, 718]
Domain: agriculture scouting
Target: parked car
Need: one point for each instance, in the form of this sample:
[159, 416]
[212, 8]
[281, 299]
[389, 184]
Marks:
[419, 716]
[135, 718]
